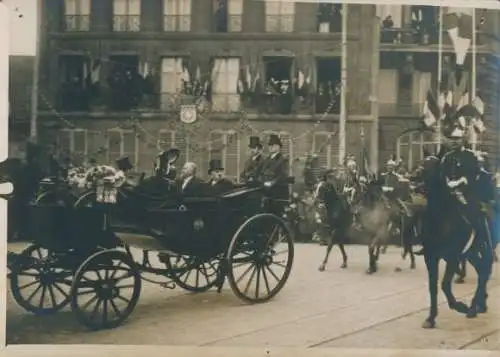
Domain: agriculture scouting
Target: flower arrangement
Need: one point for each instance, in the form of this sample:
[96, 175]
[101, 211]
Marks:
[105, 179]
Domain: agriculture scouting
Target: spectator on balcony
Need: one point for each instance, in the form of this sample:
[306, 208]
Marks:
[220, 14]
[388, 35]
[270, 93]
[148, 87]
[285, 97]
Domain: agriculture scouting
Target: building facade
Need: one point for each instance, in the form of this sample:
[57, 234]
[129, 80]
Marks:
[116, 73]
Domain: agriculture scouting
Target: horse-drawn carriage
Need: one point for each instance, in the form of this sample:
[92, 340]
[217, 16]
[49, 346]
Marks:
[79, 258]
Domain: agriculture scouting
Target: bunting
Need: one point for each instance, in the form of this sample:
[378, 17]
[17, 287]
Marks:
[458, 23]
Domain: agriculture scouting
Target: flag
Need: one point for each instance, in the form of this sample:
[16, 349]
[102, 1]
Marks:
[431, 111]
[146, 70]
[300, 79]
[198, 74]
[458, 23]
[96, 72]
[248, 78]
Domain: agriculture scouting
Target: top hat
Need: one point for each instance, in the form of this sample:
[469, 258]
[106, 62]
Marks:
[123, 163]
[274, 140]
[254, 142]
[214, 165]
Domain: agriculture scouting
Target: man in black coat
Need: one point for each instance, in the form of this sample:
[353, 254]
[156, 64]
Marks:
[190, 185]
[274, 172]
[218, 183]
[253, 165]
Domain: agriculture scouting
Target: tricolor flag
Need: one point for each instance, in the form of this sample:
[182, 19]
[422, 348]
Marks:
[431, 111]
[458, 22]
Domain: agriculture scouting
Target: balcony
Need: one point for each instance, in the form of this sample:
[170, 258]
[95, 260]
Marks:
[177, 23]
[76, 23]
[279, 23]
[224, 22]
[126, 23]
[400, 109]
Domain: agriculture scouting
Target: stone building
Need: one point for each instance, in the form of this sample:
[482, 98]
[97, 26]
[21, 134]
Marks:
[116, 73]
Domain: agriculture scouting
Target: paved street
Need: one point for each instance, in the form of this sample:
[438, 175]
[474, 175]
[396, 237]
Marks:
[336, 308]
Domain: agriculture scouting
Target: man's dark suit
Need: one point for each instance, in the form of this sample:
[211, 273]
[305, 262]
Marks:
[220, 187]
[252, 169]
[194, 188]
[274, 170]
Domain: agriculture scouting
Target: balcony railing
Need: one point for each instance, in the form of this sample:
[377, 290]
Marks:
[410, 36]
[400, 109]
[77, 22]
[227, 23]
[279, 23]
[126, 23]
[179, 23]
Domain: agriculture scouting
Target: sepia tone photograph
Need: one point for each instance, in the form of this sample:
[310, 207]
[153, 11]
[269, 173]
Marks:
[253, 173]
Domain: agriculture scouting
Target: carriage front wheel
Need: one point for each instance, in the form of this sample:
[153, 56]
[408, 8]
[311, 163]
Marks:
[260, 258]
[105, 290]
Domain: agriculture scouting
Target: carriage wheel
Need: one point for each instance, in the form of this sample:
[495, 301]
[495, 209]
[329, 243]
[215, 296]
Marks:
[38, 286]
[191, 274]
[260, 258]
[105, 290]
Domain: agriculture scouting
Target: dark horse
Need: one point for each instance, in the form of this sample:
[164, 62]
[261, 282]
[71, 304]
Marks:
[447, 235]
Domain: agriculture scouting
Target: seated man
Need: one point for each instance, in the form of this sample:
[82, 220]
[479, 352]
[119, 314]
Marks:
[190, 185]
[218, 183]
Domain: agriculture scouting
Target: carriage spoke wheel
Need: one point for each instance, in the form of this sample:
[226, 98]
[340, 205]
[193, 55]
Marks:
[105, 290]
[260, 258]
[38, 285]
[193, 274]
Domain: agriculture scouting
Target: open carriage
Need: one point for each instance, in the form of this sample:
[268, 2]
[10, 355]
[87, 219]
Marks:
[79, 258]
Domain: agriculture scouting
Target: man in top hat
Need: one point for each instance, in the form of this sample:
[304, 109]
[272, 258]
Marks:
[218, 182]
[274, 170]
[253, 164]
[123, 164]
[165, 163]
[190, 184]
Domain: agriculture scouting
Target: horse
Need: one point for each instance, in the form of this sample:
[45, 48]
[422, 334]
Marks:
[335, 228]
[447, 235]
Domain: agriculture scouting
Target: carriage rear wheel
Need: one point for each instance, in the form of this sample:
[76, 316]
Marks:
[105, 290]
[260, 258]
[37, 284]
[193, 274]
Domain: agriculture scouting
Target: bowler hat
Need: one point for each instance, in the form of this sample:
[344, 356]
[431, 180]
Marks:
[123, 163]
[274, 140]
[214, 165]
[254, 142]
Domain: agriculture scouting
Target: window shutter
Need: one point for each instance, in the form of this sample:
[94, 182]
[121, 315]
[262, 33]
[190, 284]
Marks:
[79, 146]
[216, 146]
[320, 143]
[287, 148]
[119, 7]
[181, 143]
[232, 151]
[129, 146]
[165, 139]
[64, 142]
[96, 142]
[70, 7]
[114, 146]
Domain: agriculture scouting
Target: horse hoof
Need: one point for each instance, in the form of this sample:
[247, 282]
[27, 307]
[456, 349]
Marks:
[413, 267]
[344, 265]
[460, 307]
[370, 271]
[321, 268]
[428, 324]
[472, 313]
[459, 281]
[482, 309]
[398, 270]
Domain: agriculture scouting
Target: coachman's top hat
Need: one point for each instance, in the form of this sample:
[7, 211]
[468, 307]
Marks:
[214, 165]
[124, 164]
[254, 142]
[274, 140]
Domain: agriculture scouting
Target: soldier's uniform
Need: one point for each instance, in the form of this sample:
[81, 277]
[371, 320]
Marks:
[251, 170]
[221, 185]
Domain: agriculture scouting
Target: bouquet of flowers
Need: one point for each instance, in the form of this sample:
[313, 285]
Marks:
[106, 180]
[77, 178]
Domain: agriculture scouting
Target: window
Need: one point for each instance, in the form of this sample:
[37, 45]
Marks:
[174, 78]
[225, 146]
[177, 15]
[126, 15]
[280, 15]
[168, 139]
[122, 143]
[390, 15]
[228, 15]
[325, 145]
[73, 142]
[328, 85]
[286, 140]
[77, 15]
[225, 75]
[73, 91]
[411, 146]
[329, 17]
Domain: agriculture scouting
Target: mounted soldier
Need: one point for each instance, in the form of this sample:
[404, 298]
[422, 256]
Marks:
[253, 164]
[218, 182]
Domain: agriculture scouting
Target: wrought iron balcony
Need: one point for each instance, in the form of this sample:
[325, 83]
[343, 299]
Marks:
[126, 23]
[177, 23]
[77, 23]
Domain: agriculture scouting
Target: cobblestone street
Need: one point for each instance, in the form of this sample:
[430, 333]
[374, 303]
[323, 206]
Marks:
[335, 308]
